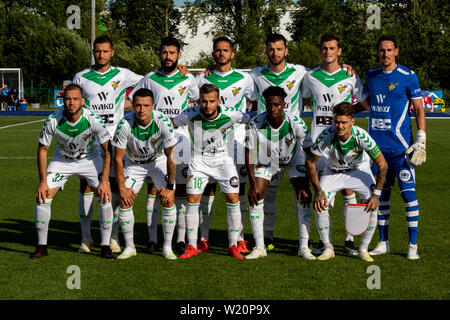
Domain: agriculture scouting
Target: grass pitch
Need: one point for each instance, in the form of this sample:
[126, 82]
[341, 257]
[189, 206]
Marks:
[214, 275]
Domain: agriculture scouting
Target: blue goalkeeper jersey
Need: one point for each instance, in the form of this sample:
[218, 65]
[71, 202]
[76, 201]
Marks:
[389, 122]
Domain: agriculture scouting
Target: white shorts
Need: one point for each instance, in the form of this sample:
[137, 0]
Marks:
[200, 174]
[136, 175]
[296, 169]
[360, 180]
[59, 171]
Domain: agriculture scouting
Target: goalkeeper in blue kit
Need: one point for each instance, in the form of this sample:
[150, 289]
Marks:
[393, 89]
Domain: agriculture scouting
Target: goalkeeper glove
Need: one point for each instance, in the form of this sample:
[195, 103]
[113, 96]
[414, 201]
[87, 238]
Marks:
[419, 154]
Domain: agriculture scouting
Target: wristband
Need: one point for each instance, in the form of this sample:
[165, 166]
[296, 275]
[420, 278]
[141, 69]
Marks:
[377, 192]
[170, 186]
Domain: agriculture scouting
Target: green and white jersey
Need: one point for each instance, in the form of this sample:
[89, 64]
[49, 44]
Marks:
[290, 79]
[329, 90]
[74, 141]
[171, 92]
[105, 93]
[211, 140]
[345, 155]
[277, 147]
[144, 143]
[234, 87]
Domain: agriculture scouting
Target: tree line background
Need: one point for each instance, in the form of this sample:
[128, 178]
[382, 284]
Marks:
[34, 35]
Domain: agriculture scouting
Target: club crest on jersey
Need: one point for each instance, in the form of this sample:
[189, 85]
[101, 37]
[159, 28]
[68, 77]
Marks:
[234, 182]
[290, 84]
[223, 131]
[154, 141]
[189, 178]
[86, 136]
[392, 86]
[115, 84]
[342, 88]
[181, 90]
[236, 90]
[289, 141]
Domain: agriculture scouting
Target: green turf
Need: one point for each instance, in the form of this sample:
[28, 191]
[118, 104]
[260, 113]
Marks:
[214, 275]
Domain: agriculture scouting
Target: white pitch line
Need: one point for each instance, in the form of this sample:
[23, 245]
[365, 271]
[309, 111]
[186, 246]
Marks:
[21, 124]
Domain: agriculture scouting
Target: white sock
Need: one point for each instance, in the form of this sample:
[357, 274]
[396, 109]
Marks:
[85, 210]
[351, 199]
[270, 210]
[169, 219]
[126, 218]
[115, 201]
[324, 225]
[206, 212]
[367, 236]
[244, 213]
[105, 217]
[192, 221]
[257, 223]
[180, 203]
[152, 217]
[233, 222]
[43, 214]
[304, 223]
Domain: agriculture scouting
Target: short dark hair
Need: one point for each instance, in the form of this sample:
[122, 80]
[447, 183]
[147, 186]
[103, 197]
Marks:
[103, 39]
[72, 87]
[329, 37]
[143, 92]
[344, 109]
[208, 88]
[226, 39]
[170, 41]
[274, 91]
[274, 37]
[387, 37]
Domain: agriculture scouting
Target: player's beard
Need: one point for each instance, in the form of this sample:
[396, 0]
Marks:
[223, 63]
[169, 69]
[277, 63]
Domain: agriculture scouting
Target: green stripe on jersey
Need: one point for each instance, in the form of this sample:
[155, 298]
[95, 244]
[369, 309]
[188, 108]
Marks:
[224, 82]
[330, 80]
[99, 78]
[144, 133]
[344, 148]
[168, 82]
[73, 130]
[277, 79]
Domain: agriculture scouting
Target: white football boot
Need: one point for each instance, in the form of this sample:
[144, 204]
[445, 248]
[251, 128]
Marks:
[328, 253]
[412, 252]
[86, 245]
[256, 253]
[168, 254]
[128, 252]
[115, 245]
[306, 253]
[381, 248]
[364, 255]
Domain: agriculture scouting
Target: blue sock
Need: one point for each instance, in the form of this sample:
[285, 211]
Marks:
[412, 213]
[384, 211]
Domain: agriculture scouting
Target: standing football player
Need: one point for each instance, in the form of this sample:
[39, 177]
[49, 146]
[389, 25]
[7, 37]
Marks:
[393, 88]
[275, 141]
[75, 130]
[104, 88]
[236, 87]
[140, 135]
[210, 126]
[172, 92]
[329, 84]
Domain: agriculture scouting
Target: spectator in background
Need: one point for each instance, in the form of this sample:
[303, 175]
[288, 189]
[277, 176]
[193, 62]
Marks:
[4, 95]
[13, 99]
